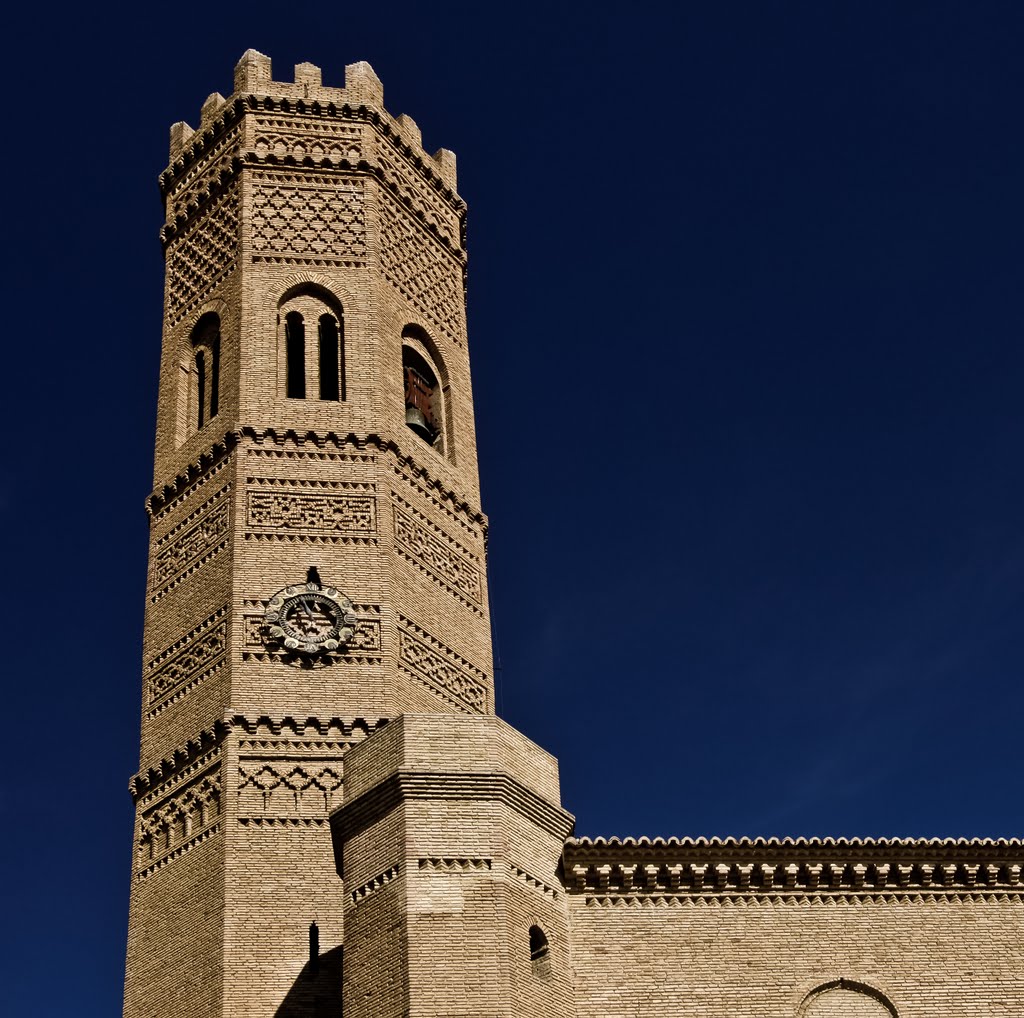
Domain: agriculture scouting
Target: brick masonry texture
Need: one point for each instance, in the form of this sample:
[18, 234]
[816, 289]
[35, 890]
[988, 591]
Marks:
[370, 789]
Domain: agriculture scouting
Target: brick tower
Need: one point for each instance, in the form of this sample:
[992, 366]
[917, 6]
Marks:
[317, 547]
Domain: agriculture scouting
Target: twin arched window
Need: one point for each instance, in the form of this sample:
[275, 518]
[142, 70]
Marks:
[313, 348]
[312, 365]
[204, 373]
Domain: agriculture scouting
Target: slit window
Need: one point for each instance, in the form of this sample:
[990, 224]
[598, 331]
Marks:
[295, 355]
[330, 359]
[214, 375]
[203, 400]
[200, 388]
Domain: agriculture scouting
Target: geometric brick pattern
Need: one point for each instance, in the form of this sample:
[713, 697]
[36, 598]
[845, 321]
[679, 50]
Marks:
[422, 270]
[438, 555]
[441, 668]
[330, 508]
[303, 224]
[301, 137]
[201, 258]
[192, 542]
[191, 660]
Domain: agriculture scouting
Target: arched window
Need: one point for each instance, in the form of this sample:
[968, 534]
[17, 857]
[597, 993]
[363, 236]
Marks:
[845, 998]
[330, 358]
[540, 960]
[295, 358]
[200, 387]
[538, 944]
[317, 366]
[426, 394]
[204, 395]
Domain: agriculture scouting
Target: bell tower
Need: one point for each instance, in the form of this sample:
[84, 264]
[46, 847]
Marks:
[317, 547]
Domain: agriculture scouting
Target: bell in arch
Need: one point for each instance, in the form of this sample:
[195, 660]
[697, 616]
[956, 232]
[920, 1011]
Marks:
[416, 420]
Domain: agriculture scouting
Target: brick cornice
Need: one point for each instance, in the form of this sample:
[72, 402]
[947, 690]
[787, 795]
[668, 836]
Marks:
[323, 440]
[182, 757]
[403, 786]
[192, 472]
[210, 738]
[806, 868]
[237, 107]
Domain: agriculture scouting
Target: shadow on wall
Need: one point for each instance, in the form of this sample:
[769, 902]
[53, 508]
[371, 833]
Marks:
[316, 993]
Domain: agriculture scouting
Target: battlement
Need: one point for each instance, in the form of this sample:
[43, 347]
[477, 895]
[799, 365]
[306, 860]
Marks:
[307, 93]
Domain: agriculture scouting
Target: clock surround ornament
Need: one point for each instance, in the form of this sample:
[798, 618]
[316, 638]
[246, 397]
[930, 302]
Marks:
[309, 618]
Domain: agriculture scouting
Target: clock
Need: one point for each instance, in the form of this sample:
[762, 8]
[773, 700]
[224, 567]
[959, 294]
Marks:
[309, 618]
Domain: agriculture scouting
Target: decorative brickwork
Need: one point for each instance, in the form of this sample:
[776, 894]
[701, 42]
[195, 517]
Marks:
[287, 787]
[300, 138]
[296, 220]
[178, 822]
[190, 544]
[334, 508]
[195, 656]
[202, 257]
[412, 190]
[194, 185]
[613, 872]
[429, 547]
[364, 781]
[422, 270]
[441, 669]
[162, 505]
[379, 881]
[530, 881]
[461, 515]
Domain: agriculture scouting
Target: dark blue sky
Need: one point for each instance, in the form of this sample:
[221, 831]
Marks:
[746, 326]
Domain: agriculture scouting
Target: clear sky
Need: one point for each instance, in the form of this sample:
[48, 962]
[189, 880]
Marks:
[746, 323]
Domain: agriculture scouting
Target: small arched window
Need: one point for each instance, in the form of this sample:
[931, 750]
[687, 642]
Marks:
[313, 346]
[540, 960]
[204, 395]
[425, 391]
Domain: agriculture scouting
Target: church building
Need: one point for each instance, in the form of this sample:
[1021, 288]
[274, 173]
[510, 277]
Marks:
[330, 818]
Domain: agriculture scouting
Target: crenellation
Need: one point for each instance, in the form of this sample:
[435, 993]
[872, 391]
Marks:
[252, 73]
[308, 75]
[446, 166]
[363, 85]
[211, 107]
[409, 131]
[180, 134]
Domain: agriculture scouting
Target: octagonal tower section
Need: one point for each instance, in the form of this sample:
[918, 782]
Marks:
[315, 424]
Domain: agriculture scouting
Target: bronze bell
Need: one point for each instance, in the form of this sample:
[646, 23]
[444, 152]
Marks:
[415, 419]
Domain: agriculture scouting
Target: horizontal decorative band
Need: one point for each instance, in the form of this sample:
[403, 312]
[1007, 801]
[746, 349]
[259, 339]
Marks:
[179, 851]
[382, 880]
[767, 878]
[452, 865]
[370, 806]
[753, 900]
[531, 881]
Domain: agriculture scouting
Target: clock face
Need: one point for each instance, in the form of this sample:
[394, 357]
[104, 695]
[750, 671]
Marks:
[309, 619]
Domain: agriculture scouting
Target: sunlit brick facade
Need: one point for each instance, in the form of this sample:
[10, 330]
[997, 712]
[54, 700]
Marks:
[344, 827]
